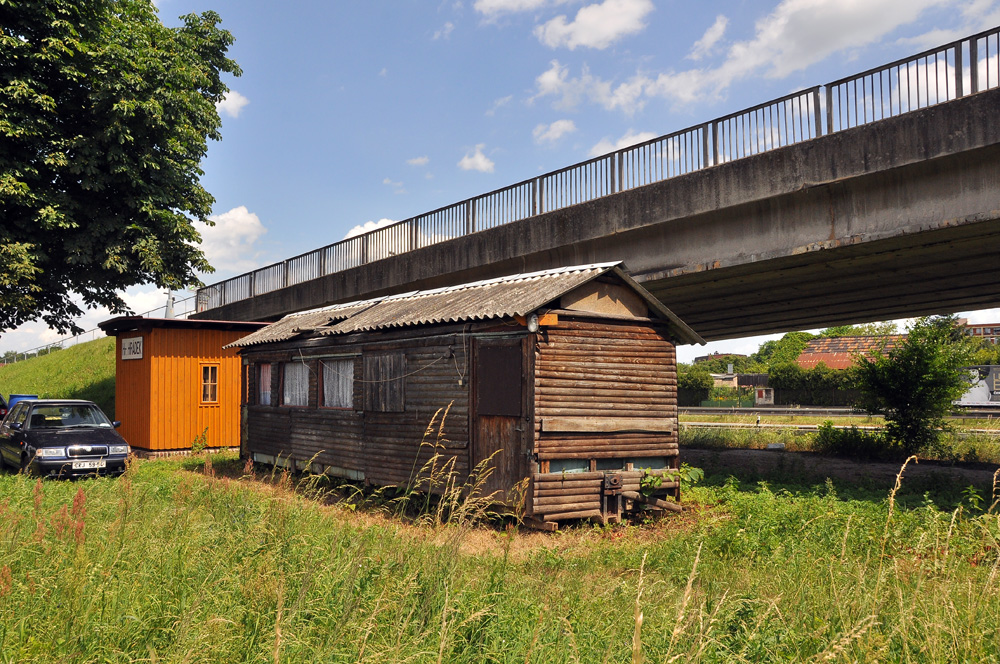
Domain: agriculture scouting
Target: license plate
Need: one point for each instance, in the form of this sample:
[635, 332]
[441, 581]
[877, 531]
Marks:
[87, 465]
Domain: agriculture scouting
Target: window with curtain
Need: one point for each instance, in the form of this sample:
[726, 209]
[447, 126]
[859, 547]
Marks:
[338, 383]
[264, 384]
[210, 383]
[295, 391]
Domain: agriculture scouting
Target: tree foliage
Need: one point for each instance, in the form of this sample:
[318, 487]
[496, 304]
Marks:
[864, 330]
[105, 114]
[914, 383]
[781, 351]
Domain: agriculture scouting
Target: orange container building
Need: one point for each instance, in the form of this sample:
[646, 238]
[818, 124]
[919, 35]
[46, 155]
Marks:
[174, 381]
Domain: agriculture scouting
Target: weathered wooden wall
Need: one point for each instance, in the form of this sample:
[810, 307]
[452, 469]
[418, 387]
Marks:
[384, 448]
[605, 390]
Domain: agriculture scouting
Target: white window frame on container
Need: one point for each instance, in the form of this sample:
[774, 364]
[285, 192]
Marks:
[295, 384]
[209, 384]
[337, 382]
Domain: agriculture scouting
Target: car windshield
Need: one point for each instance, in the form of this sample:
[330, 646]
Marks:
[67, 416]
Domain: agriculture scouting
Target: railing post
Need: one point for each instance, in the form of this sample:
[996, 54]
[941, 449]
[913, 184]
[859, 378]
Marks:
[715, 143]
[322, 262]
[958, 70]
[253, 283]
[364, 248]
[470, 216]
[704, 145]
[817, 113]
[413, 234]
[288, 273]
[541, 196]
[222, 293]
[974, 65]
[534, 196]
[620, 167]
[829, 110]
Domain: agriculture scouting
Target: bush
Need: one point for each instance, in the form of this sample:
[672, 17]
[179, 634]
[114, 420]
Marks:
[854, 443]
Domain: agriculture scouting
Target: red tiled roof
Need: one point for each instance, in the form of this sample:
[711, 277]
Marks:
[840, 352]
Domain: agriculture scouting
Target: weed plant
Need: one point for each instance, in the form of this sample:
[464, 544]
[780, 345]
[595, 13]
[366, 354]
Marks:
[169, 565]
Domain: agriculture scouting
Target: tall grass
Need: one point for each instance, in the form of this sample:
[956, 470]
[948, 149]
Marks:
[167, 565]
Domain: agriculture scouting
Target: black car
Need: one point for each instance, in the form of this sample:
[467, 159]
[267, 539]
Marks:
[62, 438]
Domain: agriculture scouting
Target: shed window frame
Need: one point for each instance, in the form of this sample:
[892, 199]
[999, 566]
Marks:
[209, 383]
[347, 366]
[282, 392]
[384, 376]
[263, 388]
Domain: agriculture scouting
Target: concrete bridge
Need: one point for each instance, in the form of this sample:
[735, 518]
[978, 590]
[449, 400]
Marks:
[873, 197]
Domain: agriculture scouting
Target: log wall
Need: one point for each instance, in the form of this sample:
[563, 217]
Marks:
[604, 390]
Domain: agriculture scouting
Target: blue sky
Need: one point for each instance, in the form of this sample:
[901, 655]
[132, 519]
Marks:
[353, 111]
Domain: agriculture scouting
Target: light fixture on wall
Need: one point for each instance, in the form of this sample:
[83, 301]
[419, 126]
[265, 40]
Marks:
[533, 323]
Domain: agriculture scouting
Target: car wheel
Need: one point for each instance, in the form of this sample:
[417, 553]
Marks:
[25, 464]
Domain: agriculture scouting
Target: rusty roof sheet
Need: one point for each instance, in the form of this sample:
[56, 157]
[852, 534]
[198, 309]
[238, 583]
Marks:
[514, 295]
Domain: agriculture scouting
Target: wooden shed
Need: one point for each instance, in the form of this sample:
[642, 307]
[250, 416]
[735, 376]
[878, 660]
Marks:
[175, 381]
[563, 381]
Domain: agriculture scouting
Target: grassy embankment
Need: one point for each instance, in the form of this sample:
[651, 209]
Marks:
[84, 371]
[170, 564]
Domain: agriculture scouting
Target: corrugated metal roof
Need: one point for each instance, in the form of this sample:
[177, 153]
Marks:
[514, 295]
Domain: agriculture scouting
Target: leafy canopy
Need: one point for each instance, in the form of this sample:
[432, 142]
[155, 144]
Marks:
[105, 114]
[914, 383]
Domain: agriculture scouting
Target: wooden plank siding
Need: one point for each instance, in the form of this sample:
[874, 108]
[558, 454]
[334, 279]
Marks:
[612, 378]
[384, 447]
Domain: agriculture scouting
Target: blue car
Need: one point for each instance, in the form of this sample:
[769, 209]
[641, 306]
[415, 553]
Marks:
[61, 438]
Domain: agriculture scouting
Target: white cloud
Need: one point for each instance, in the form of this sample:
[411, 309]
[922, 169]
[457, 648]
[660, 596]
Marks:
[704, 46]
[419, 161]
[384, 72]
[232, 104]
[476, 161]
[494, 8]
[229, 245]
[369, 226]
[604, 146]
[550, 133]
[795, 35]
[502, 101]
[445, 31]
[391, 183]
[569, 92]
[596, 26]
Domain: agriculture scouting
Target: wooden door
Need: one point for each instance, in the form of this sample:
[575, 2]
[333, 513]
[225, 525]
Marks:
[500, 430]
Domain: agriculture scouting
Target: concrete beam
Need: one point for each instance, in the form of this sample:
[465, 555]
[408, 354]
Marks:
[896, 218]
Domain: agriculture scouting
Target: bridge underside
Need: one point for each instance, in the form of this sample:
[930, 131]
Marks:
[892, 219]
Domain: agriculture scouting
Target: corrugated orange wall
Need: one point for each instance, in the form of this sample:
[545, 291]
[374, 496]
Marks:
[163, 397]
[132, 394]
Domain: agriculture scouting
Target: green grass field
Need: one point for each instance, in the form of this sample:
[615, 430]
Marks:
[84, 371]
[173, 563]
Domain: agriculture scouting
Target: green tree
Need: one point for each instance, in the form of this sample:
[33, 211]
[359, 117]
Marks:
[105, 114]
[781, 351]
[865, 330]
[914, 383]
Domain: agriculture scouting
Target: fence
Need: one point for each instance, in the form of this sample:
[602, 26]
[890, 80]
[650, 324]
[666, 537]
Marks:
[938, 75]
[181, 309]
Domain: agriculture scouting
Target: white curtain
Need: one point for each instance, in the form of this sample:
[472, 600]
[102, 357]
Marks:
[338, 383]
[296, 384]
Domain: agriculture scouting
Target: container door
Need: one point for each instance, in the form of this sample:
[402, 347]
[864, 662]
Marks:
[499, 427]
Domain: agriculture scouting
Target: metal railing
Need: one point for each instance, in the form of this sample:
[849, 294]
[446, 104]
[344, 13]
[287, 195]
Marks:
[941, 74]
[181, 309]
